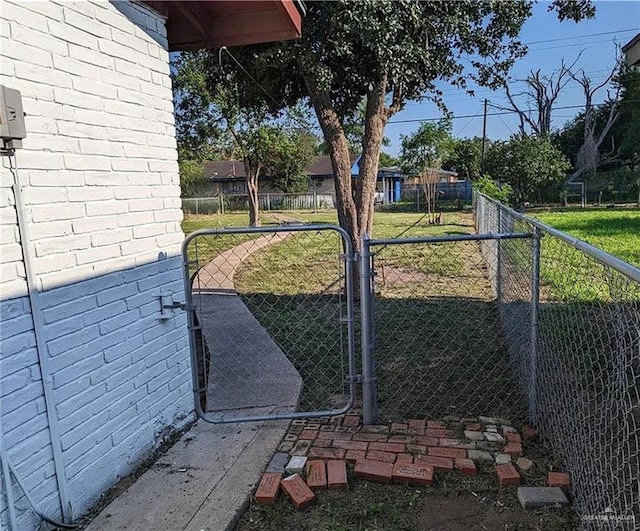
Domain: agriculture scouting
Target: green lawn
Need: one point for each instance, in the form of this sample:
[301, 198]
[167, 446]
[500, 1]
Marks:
[617, 231]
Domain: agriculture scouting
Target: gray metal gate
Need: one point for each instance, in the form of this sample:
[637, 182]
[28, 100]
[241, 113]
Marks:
[432, 337]
[269, 338]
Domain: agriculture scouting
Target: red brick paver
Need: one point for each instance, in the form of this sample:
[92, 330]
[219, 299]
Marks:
[268, 488]
[439, 463]
[298, 492]
[473, 426]
[513, 448]
[417, 426]
[559, 479]
[308, 435]
[351, 445]
[436, 424]
[351, 421]
[337, 474]
[387, 447]
[316, 475]
[413, 474]
[513, 437]
[374, 471]
[447, 452]
[404, 458]
[376, 455]
[355, 455]
[466, 466]
[326, 453]
[507, 475]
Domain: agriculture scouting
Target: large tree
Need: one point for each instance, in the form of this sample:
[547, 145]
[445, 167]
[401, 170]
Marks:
[466, 157]
[382, 53]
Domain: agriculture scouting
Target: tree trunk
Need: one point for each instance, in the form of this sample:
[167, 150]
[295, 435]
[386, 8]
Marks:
[252, 171]
[638, 201]
[375, 121]
[340, 160]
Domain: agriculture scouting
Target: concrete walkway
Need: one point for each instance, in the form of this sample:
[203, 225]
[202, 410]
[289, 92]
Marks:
[204, 482]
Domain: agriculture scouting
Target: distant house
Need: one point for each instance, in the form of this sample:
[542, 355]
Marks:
[632, 51]
[229, 177]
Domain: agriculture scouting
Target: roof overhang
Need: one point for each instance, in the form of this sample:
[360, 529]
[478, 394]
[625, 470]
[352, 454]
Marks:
[632, 51]
[195, 25]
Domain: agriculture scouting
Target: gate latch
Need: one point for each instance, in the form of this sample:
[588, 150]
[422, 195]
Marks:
[168, 305]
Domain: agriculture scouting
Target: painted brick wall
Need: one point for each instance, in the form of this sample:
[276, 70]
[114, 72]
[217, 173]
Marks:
[100, 171]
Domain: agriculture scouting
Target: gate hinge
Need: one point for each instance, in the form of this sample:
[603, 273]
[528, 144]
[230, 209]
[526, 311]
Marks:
[355, 378]
[349, 258]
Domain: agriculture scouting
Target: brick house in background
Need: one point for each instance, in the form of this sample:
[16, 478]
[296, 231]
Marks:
[91, 376]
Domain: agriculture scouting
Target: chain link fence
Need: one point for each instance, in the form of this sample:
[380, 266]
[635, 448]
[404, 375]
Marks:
[272, 322]
[577, 357]
[439, 347]
[221, 203]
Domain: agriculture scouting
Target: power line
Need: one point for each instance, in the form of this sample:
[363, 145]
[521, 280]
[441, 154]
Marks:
[419, 120]
[583, 36]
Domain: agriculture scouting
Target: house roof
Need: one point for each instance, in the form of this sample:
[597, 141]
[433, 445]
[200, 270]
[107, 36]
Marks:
[195, 25]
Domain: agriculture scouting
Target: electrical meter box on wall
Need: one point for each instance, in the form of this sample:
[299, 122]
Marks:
[12, 128]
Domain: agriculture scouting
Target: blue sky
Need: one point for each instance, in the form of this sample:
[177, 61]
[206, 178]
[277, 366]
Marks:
[542, 30]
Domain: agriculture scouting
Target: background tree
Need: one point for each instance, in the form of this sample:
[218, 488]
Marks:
[529, 164]
[192, 180]
[387, 161]
[534, 103]
[466, 157]
[292, 153]
[383, 53]
[422, 154]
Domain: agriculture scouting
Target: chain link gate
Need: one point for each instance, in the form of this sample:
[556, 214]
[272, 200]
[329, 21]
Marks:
[270, 337]
[432, 335]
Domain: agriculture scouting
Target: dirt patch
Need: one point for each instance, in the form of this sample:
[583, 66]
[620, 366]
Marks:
[487, 512]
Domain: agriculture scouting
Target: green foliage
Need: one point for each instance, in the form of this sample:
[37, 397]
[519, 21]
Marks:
[629, 82]
[500, 192]
[192, 179]
[466, 158]
[291, 155]
[387, 161]
[528, 163]
[427, 147]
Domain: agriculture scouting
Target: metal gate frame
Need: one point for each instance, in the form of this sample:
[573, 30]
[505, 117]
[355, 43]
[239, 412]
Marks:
[369, 379]
[348, 259]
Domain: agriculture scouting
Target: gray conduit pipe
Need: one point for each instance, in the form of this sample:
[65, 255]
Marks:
[38, 329]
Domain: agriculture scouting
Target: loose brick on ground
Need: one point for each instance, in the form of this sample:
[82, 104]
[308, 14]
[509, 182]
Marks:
[268, 489]
[374, 471]
[539, 497]
[474, 435]
[513, 437]
[473, 426]
[417, 426]
[413, 474]
[308, 435]
[524, 464]
[298, 492]
[316, 475]
[351, 445]
[377, 455]
[481, 456]
[436, 424]
[342, 436]
[466, 466]
[322, 443]
[501, 459]
[507, 475]
[439, 463]
[296, 465]
[278, 462]
[355, 455]
[404, 458]
[351, 421]
[337, 474]
[513, 448]
[387, 447]
[403, 439]
[447, 452]
[326, 453]
[559, 479]
[375, 428]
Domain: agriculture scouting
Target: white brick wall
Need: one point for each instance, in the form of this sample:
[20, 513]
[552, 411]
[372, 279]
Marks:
[99, 166]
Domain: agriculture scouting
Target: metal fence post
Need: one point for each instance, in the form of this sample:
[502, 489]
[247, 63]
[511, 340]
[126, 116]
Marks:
[499, 265]
[535, 307]
[369, 413]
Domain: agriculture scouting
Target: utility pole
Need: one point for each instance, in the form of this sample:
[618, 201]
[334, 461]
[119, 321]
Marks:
[484, 138]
